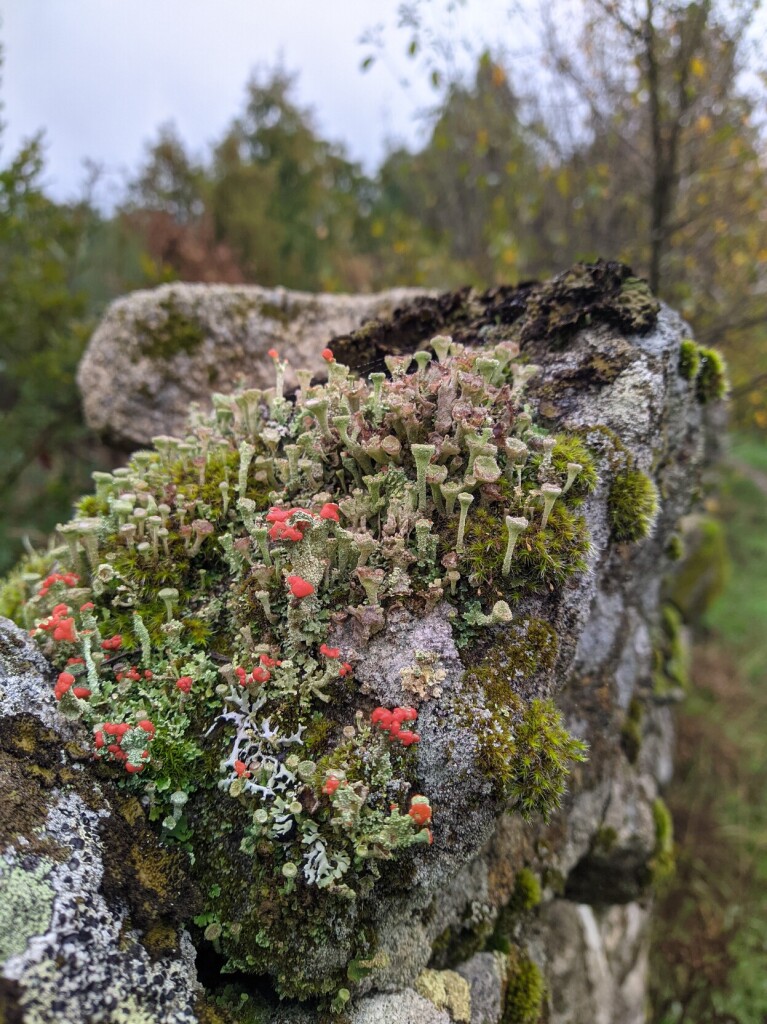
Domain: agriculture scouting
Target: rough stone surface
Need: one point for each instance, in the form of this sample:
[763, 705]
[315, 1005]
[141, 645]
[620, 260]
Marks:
[155, 352]
[68, 953]
[595, 858]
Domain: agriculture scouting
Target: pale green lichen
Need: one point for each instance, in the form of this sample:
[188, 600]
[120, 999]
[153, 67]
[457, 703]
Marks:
[26, 905]
[447, 991]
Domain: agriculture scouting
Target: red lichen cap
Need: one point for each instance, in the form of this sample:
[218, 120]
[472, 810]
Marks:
[330, 511]
[299, 587]
[65, 630]
[184, 683]
[327, 355]
[329, 652]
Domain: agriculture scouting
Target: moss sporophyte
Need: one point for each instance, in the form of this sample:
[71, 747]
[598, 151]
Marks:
[193, 612]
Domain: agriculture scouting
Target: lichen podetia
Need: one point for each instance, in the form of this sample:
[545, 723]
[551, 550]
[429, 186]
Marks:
[191, 607]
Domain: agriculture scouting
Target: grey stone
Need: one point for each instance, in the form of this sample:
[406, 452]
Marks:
[157, 352]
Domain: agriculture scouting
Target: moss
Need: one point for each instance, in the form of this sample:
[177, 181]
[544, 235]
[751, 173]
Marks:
[543, 559]
[605, 839]
[632, 506]
[662, 865]
[711, 383]
[700, 577]
[177, 332]
[671, 655]
[525, 990]
[631, 731]
[689, 359]
[527, 892]
[526, 752]
[675, 549]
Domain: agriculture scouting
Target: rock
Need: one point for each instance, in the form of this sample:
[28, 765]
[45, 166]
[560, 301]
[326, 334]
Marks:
[500, 914]
[157, 352]
[69, 950]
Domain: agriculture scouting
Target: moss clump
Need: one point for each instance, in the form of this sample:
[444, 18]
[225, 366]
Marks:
[711, 382]
[631, 731]
[176, 332]
[527, 892]
[689, 359]
[525, 990]
[662, 865]
[700, 577]
[671, 656]
[632, 506]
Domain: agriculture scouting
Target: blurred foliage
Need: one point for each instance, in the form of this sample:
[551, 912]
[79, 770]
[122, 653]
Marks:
[711, 924]
[641, 140]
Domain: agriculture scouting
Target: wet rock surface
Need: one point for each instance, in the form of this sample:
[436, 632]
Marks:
[499, 912]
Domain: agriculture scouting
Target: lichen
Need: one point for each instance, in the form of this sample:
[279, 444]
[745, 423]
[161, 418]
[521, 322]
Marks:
[176, 332]
[447, 991]
[191, 609]
[26, 904]
[632, 506]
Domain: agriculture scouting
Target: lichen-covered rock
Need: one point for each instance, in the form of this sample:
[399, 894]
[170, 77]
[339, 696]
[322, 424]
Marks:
[317, 642]
[69, 948]
[156, 352]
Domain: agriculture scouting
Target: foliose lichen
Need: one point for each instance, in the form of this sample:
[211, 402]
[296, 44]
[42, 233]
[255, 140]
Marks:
[191, 609]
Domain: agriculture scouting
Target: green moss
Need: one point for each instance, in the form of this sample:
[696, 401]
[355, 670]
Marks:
[543, 559]
[632, 506]
[527, 892]
[689, 359]
[605, 839]
[671, 655]
[700, 577]
[525, 990]
[177, 332]
[675, 549]
[662, 865]
[711, 383]
[631, 731]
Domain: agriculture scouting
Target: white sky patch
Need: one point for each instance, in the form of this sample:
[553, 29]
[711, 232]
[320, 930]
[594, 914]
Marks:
[100, 76]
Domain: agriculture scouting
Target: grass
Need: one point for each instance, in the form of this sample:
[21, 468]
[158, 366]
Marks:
[711, 924]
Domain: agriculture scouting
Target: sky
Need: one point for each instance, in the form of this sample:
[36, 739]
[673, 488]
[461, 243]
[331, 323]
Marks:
[100, 76]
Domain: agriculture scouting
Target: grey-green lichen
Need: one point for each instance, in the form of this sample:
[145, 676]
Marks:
[191, 608]
[447, 991]
[26, 904]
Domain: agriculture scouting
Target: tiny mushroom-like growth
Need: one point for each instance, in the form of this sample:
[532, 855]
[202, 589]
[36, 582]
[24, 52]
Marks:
[514, 525]
[550, 493]
[464, 500]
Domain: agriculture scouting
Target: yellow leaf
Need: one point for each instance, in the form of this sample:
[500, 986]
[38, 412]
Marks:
[697, 67]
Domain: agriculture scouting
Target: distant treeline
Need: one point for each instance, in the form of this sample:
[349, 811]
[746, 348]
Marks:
[646, 147]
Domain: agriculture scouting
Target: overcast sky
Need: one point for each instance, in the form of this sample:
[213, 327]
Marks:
[100, 76]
